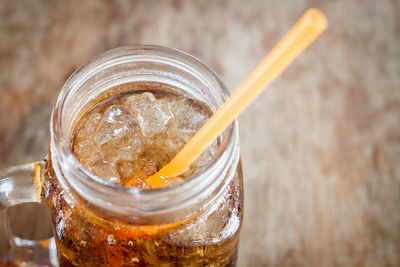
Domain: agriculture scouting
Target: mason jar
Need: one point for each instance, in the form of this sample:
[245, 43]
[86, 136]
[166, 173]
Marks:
[194, 222]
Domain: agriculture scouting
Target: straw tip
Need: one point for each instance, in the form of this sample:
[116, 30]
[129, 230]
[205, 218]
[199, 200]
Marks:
[317, 18]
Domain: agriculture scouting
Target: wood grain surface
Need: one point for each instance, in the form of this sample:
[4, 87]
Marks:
[320, 148]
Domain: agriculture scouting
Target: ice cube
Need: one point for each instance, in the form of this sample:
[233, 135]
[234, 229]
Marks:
[92, 123]
[165, 107]
[114, 124]
[206, 156]
[187, 120]
[86, 150]
[150, 116]
[126, 169]
[105, 170]
[126, 148]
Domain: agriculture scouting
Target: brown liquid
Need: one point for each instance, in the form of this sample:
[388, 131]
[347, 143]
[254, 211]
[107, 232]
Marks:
[86, 237]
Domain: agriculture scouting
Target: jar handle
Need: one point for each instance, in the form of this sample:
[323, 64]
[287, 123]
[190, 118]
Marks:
[23, 184]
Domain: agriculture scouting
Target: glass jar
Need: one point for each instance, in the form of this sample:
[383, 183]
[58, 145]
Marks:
[194, 222]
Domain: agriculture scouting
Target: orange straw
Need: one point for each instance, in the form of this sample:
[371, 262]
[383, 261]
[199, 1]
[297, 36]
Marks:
[302, 34]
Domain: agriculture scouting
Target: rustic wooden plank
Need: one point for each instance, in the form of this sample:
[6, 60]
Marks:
[320, 148]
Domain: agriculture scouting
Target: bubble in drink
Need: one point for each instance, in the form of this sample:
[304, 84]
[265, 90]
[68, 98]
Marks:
[129, 137]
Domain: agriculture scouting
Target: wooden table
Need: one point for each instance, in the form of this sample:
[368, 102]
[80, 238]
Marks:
[320, 148]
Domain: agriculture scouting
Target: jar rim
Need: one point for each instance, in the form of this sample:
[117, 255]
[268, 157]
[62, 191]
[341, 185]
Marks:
[148, 199]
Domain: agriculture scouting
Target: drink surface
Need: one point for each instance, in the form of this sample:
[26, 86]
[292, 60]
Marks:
[122, 139]
[130, 136]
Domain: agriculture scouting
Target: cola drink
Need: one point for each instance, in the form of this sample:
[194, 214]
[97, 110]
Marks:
[123, 139]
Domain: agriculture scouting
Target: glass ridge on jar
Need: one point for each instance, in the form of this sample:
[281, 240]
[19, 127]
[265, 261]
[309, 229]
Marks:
[195, 222]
